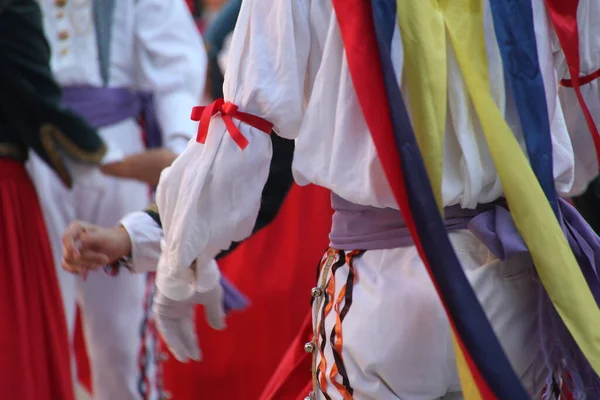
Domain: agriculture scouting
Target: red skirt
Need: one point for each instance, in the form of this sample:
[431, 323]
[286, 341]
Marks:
[34, 350]
[292, 378]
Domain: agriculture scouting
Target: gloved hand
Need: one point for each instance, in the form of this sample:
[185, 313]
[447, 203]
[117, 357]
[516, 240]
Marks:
[176, 323]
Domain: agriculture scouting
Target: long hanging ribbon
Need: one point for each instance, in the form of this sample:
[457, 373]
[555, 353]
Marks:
[515, 34]
[554, 261]
[563, 14]
[471, 327]
[506, 384]
[384, 11]
[426, 77]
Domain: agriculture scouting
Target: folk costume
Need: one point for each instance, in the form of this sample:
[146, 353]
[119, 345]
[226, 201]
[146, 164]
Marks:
[33, 339]
[439, 130]
[115, 61]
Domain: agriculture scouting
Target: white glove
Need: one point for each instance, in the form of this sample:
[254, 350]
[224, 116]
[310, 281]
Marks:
[176, 323]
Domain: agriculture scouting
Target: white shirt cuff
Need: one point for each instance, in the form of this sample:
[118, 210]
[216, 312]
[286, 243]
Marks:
[145, 235]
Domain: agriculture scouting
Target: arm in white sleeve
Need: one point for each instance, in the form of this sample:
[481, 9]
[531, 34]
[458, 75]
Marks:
[210, 196]
[173, 66]
[145, 235]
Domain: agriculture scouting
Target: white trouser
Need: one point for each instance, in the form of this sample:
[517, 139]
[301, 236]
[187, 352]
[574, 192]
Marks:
[112, 306]
[396, 337]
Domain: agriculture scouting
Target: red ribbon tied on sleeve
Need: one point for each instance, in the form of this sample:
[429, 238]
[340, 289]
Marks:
[228, 111]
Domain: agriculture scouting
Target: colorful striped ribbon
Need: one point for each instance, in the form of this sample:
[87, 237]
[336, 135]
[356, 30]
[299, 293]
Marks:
[499, 376]
[554, 261]
[473, 332]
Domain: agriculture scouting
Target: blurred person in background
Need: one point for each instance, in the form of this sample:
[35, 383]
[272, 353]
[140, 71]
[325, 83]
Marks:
[33, 339]
[115, 60]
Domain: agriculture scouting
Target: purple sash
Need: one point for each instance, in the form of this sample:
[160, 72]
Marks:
[356, 227]
[104, 106]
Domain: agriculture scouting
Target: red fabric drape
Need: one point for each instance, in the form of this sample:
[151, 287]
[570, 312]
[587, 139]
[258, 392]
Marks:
[34, 361]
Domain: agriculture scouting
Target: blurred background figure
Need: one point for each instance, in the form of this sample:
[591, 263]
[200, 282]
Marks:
[115, 61]
[33, 338]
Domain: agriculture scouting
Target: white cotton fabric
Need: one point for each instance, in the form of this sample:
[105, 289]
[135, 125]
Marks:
[155, 46]
[405, 350]
[145, 236]
[287, 64]
[586, 164]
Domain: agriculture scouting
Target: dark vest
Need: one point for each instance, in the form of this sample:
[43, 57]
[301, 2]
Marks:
[30, 113]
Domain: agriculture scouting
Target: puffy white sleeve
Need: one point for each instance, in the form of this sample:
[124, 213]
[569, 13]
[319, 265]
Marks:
[172, 65]
[210, 196]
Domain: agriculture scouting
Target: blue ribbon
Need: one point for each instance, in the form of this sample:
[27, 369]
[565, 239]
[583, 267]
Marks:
[468, 316]
[513, 24]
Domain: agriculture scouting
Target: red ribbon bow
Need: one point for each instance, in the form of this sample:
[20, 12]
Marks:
[228, 112]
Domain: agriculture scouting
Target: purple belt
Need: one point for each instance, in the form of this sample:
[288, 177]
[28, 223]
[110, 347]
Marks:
[104, 106]
[356, 227]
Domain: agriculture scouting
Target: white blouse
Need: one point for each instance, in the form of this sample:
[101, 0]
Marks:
[155, 46]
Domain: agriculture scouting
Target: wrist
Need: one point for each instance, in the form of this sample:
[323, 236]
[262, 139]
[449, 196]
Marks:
[124, 242]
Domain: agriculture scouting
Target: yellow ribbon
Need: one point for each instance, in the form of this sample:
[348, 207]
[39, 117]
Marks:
[425, 68]
[554, 261]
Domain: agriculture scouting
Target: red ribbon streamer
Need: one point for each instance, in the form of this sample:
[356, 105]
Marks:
[563, 14]
[583, 80]
[228, 112]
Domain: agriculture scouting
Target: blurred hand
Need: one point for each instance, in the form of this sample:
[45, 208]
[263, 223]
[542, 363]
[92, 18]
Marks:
[176, 323]
[87, 246]
[145, 167]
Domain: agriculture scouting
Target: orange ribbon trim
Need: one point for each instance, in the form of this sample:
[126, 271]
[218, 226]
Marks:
[228, 111]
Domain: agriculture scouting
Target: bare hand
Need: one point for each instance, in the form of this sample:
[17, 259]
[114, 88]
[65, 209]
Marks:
[87, 246]
[145, 167]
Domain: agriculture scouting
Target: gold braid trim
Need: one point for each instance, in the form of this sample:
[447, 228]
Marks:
[50, 135]
[12, 151]
[152, 208]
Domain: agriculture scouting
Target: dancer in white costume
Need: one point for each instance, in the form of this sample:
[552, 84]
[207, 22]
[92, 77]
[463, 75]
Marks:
[287, 65]
[104, 53]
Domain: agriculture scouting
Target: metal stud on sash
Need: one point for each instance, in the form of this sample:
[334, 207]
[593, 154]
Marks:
[309, 347]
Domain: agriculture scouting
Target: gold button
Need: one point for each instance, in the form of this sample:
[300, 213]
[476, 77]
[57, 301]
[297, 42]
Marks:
[63, 35]
[309, 347]
[60, 3]
[60, 15]
[64, 52]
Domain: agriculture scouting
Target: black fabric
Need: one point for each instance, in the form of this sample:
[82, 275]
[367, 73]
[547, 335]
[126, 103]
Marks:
[278, 185]
[30, 97]
[214, 37]
[588, 204]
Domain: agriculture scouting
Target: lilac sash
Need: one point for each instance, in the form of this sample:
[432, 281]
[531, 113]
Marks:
[233, 299]
[104, 106]
[356, 227]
